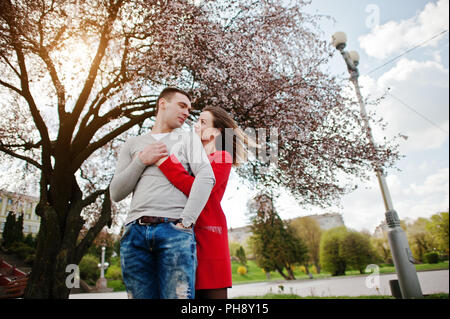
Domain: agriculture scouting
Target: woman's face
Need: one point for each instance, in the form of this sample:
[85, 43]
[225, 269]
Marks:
[205, 128]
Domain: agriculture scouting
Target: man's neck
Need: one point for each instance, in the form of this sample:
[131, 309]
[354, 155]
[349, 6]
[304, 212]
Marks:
[161, 127]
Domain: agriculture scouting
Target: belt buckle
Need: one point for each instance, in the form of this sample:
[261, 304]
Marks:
[141, 223]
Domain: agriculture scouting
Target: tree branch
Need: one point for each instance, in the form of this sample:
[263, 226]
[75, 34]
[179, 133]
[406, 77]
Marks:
[84, 136]
[88, 84]
[105, 219]
[22, 157]
[91, 148]
[11, 87]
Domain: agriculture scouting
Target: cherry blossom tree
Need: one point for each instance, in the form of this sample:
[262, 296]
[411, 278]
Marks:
[78, 76]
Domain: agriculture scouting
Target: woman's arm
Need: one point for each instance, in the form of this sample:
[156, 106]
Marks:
[176, 174]
[180, 178]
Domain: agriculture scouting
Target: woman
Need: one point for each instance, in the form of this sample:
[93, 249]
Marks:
[224, 143]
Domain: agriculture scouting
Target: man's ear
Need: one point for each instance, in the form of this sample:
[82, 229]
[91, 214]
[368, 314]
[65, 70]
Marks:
[162, 104]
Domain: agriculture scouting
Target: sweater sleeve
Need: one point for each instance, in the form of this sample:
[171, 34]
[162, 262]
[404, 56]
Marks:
[128, 173]
[180, 178]
[204, 178]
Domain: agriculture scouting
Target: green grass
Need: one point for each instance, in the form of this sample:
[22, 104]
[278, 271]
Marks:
[117, 285]
[255, 274]
[290, 296]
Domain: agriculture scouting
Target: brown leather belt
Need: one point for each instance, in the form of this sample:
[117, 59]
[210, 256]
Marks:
[152, 220]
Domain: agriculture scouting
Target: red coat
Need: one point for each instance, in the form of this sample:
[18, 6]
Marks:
[211, 232]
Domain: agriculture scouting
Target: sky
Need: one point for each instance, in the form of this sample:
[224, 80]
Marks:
[417, 106]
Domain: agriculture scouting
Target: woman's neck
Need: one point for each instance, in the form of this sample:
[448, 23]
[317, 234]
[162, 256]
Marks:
[210, 147]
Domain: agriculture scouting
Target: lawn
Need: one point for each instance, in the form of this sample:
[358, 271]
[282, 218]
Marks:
[256, 274]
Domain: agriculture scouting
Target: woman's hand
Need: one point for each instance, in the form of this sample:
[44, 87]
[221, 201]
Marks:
[162, 159]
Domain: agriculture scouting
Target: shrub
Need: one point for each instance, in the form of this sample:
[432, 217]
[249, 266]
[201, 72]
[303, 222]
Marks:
[241, 270]
[313, 269]
[114, 272]
[30, 241]
[89, 270]
[431, 257]
[22, 250]
[302, 269]
[331, 258]
[30, 259]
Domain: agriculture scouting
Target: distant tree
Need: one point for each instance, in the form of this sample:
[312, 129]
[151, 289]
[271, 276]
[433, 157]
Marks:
[275, 245]
[240, 255]
[438, 226]
[357, 250]
[308, 229]
[420, 239]
[9, 234]
[18, 228]
[331, 257]
[382, 249]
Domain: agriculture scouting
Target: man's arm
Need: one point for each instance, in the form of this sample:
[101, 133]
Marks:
[204, 179]
[129, 170]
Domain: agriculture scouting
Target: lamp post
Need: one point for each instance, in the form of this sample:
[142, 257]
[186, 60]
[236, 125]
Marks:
[401, 253]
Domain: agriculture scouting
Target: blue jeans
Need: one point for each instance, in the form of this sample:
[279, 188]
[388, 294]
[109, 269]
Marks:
[158, 261]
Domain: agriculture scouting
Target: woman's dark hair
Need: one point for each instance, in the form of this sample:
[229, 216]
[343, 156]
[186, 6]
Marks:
[232, 138]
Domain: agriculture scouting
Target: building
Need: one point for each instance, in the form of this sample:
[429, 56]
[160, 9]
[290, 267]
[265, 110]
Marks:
[20, 204]
[328, 220]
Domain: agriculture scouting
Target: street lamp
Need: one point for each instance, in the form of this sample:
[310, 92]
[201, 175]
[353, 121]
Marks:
[401, 253]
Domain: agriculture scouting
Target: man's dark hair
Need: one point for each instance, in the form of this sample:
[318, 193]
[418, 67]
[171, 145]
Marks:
[167, 93]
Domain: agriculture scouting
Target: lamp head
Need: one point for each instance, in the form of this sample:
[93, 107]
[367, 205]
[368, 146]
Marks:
[354, 56]
[339, 40]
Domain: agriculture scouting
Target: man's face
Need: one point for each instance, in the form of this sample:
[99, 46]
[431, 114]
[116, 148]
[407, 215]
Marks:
[175, 109]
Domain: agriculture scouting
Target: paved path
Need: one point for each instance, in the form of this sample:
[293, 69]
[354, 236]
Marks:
[436, 281]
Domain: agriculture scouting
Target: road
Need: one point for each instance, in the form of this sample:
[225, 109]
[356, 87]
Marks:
[436, 281]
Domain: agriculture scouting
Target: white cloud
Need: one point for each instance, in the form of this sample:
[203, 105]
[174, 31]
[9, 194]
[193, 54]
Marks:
[423, 87]
[364, 209]
[433, 184]
[394, 37]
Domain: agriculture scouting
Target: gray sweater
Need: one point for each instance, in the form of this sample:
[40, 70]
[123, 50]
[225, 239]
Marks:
[153, 193]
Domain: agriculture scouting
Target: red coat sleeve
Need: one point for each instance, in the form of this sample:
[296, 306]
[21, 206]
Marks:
[180, 178]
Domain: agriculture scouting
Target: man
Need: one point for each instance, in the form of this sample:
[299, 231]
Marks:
[157, 248]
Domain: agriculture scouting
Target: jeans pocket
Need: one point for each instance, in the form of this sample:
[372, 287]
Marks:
[186, 230]
[126, 231]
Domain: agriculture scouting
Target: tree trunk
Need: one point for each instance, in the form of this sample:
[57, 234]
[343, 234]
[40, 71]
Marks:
[57, 245]
[290, 273]
[46, 272]
[317, 267]
[308, 272]
[280, 271]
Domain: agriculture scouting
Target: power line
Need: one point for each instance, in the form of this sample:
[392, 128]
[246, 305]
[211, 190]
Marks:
[419, 114]
[407, 51]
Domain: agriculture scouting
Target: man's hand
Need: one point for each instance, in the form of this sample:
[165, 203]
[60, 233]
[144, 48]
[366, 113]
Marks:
[180, 225]
[152, 153]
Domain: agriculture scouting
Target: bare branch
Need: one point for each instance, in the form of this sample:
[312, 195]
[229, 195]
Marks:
[82, 156]
[22, 157]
